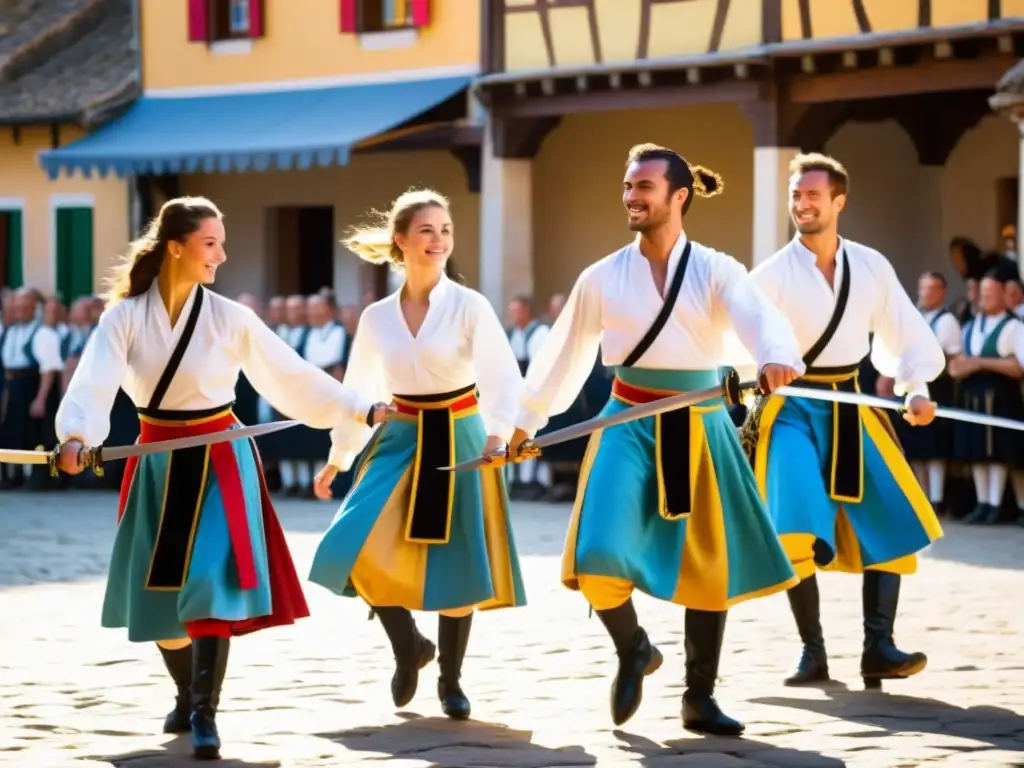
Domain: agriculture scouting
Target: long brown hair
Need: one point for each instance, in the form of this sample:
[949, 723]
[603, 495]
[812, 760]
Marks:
[376, 242]
[178, 218]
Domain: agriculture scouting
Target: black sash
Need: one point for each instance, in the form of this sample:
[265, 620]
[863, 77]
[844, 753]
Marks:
[672, 429]
[846, 454]
[185, 483]
[432, 493]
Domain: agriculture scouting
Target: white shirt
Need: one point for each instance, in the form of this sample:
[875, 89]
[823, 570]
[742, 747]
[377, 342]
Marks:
[1009, 344]
[461, 342]
[325, 346]
[905, 348]
[527, 350]
[947, 331]
[615, 302]
[45, 347]
[134, 340]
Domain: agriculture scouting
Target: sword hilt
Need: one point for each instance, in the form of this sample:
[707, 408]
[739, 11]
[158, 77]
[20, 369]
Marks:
[94, 460]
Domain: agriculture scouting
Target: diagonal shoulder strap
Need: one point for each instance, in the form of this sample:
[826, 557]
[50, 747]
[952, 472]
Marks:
[837, 315]
[666, 310]
[179, 352]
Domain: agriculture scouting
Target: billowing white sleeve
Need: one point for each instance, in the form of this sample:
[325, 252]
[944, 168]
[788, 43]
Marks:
[759, 324]
[84, 412]
[904, 347]
[565, 360]
[497, 371]
[364, 373]
[295, 387]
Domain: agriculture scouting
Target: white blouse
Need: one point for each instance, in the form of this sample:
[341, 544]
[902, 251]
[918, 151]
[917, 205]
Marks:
[947, 331]
[461, 342]
[325, 346]
[45, 347]
[615, 301]
[904, 349]
[1009, 344]
[134, 340]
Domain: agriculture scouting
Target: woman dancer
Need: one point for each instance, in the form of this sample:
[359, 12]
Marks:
[407, 536]
[199, 555]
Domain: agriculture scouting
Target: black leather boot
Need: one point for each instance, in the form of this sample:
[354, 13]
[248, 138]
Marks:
[412, 651]
[209, 663]
[179, 665]
[637, 659]
[452, 639]
[805, 603]
[881, 659]
[983, 514]
[705, 631]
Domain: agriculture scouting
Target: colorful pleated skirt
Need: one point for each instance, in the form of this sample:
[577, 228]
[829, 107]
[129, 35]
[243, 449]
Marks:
[668, 504]
[199, 550]
[840, 492]
[412, 536]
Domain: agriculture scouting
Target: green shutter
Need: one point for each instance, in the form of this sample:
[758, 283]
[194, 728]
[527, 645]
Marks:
[15, 249]
[74, 253]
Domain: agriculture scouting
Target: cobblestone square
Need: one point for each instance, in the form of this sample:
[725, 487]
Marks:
[316, 694]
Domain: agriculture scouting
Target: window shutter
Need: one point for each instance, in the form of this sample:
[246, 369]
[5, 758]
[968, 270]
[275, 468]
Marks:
[348, 15]
[255, 18]
[198, 21]
[420, 13]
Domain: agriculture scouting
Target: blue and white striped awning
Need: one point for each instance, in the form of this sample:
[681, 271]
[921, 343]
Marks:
[281, 130]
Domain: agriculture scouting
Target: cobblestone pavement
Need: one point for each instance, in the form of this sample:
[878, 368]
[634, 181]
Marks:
[73, 694]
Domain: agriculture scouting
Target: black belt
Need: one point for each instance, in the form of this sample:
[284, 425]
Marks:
[846, 452]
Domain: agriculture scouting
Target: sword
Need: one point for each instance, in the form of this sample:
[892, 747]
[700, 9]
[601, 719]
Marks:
[731, 389]
[872, 401]
[94, 458]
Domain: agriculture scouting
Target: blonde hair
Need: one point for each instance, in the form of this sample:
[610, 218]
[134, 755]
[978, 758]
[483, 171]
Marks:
[376, 242]
[178, 218]
[809, 162]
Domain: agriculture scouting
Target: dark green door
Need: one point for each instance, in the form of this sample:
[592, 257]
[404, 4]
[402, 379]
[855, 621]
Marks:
[12, 229]
[74, 253]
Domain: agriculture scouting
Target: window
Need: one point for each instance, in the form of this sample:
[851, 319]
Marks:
[361, 16]
[214, 20]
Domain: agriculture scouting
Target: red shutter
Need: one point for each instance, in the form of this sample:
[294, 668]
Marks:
[420, 13]
[198, 21]
[255, 18]
[348, 15]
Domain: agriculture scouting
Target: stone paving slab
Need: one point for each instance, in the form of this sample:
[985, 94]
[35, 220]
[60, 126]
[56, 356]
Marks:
[74, 694]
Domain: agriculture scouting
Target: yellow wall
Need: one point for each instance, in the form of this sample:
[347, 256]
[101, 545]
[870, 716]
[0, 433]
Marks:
[302, 39]
[21, 177]
[679, 28]
[368, 182]
[578, 213]
[836, 18]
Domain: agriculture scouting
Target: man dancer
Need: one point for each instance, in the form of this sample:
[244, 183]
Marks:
[863, 511]
[665, 504]
[928, 448]
[990, 371]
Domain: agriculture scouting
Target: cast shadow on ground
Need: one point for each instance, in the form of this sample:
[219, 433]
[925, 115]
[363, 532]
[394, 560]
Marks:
[177, 753]
[998, 727]
[444, 742]
[655, 754]
[984, 546]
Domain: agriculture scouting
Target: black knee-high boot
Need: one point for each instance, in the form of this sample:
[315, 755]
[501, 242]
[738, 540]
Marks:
[881, 659]
[179, 665]
[209, 664]
[805, 602]
[452, 640]
[411, 649]
[705, 631]
[637, 659]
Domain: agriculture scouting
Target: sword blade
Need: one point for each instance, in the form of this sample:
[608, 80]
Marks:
[584, 428]
[195, 441]
[855, 398]
[23, 457]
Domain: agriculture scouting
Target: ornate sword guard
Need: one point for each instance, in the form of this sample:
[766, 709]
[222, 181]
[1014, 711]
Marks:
[51, 461]
[731, 388]
[527, 450]
[94, 461]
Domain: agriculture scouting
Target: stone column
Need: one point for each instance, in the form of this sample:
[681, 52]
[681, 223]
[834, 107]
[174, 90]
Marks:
[771, 200]
[506, 206]
[506, 224]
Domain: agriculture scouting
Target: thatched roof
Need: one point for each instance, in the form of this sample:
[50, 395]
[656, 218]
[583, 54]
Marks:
[66, 60]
